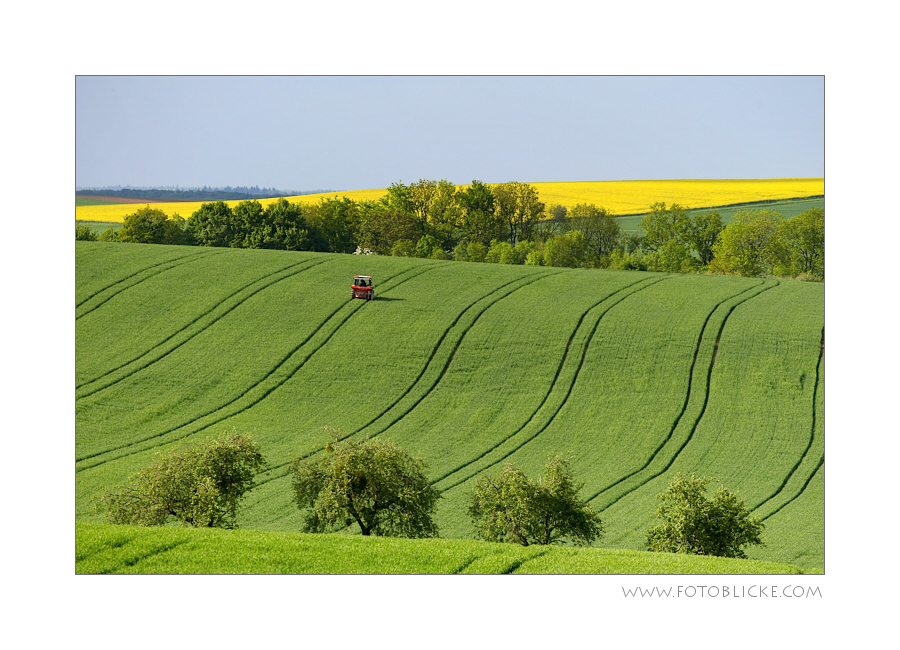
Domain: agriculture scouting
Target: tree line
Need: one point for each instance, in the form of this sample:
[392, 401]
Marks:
[506, 223]
[380, 487]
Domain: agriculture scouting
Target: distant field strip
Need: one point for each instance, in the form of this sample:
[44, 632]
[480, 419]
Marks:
[620, 197]
[259, 390]
[644, 474]
[190, 330]
[571, 373]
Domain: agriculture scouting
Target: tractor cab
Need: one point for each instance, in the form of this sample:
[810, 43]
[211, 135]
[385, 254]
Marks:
[362, 287]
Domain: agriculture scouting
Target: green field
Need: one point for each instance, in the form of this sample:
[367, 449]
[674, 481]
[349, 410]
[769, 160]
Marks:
[103, 548]
[99, 226]
[637, 375]
[787, 208]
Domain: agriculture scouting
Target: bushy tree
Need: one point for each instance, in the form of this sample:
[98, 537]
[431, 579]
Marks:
[476, 251]
[382, 225]
[566, 250]
[517, 206]
[750, 245]
[371, 482]
[337, 220]
[153, 226]
[85, 233]
[478, 220]
[702, 234]
[110, 234]
[511, 508]
[804, 238]
[214, 225]
[665, 224]
[600, 228]
[198, 485]
[403, 248]
[694, 523]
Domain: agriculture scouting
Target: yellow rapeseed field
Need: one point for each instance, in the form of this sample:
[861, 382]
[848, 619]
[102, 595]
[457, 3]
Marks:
[619, 197]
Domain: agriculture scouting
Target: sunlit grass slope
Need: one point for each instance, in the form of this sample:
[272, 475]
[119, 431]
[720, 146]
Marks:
[637, 375]
[620, 197]
[102, 548]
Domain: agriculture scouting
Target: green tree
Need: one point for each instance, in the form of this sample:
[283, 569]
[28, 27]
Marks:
[702, 234]
[371, 482]
[750, 245]
[199, 485]
[381, 225]
[664, 224]
[248, 225]
[694, 523]
[476, 251]
[566, 250]
[85, 233]
[403, 248]
[510, 508]
[804, 239]
[600, 228]
[337, 220]
[283, 227]
[478, 220]
[110, 234]
[426, 245]
[214, 225]
[518, 207]
[153, 226]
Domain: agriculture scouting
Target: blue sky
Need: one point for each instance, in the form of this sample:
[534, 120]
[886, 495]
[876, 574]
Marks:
[346, 132]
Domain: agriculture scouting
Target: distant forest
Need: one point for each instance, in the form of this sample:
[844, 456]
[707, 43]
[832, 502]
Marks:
[227, 193]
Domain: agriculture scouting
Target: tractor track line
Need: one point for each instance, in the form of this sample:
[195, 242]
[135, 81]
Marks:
[183, 260]
[802, 489]
[699, 417]
[687, 397]
[549, 390]
[138, 272]
[812, 431]
[424, 369]
[518, 563]
[585, 347]
[132, 561]
[198, 331]
[462, 336]
[353, 309]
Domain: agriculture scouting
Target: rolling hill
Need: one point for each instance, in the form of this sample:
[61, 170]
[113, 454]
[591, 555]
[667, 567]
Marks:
[637, 375]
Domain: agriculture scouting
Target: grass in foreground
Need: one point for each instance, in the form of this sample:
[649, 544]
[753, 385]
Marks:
[105, 548]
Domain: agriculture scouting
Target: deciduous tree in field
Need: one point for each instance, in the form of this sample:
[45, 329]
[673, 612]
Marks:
[697, 524]
[153, 226]
[85, 233]
[214, 224]
[750, 245]
[511, 508]
[479, 222]
[371, 482]
[198, 485]
[517, 206]
[702, 234]
[804, 238]
[601, 230]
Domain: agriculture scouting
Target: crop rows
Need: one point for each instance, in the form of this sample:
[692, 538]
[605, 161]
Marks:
[470, 366]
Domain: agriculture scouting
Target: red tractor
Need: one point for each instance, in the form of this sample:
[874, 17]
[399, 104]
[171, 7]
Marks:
[362, 287]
